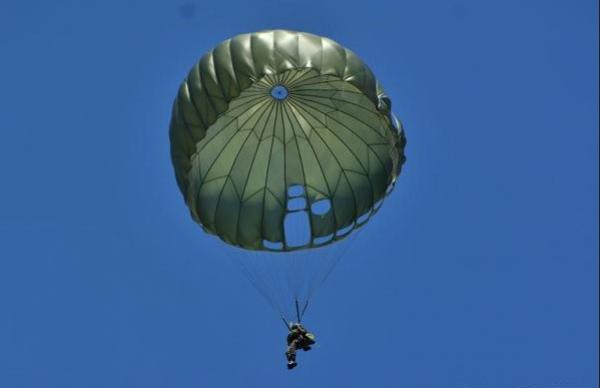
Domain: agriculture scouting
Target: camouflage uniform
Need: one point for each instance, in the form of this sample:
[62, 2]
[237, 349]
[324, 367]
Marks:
[297, 339]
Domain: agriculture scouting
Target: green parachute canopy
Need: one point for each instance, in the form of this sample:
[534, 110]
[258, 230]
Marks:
[278, 123]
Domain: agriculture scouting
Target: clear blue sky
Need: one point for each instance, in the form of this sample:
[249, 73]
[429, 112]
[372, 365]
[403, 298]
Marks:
[480, 271]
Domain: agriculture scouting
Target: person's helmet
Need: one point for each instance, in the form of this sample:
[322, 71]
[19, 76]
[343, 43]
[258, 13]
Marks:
[295, 326]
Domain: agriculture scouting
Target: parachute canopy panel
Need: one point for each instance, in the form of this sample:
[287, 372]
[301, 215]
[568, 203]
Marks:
[275, 123]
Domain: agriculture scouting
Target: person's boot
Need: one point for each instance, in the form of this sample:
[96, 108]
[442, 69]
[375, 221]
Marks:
[292, 364]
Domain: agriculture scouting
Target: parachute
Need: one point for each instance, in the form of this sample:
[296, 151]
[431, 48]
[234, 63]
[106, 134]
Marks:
[283, 144]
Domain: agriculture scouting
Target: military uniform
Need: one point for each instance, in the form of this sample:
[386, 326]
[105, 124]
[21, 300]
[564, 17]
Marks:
[298, 338]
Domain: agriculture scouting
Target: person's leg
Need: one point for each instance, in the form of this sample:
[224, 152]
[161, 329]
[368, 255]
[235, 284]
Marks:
[304, 344]
[291, 355]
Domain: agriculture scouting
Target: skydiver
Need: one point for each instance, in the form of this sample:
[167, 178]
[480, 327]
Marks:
[298, 338]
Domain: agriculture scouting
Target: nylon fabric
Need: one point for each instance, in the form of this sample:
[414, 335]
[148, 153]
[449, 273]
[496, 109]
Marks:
[237, 149]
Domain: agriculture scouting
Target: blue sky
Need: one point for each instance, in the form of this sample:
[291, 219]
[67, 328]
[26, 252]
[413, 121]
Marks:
[480, 270]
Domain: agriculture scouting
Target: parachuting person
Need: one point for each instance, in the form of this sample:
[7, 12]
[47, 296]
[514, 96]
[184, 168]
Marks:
[297, 338]
[266, 113]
